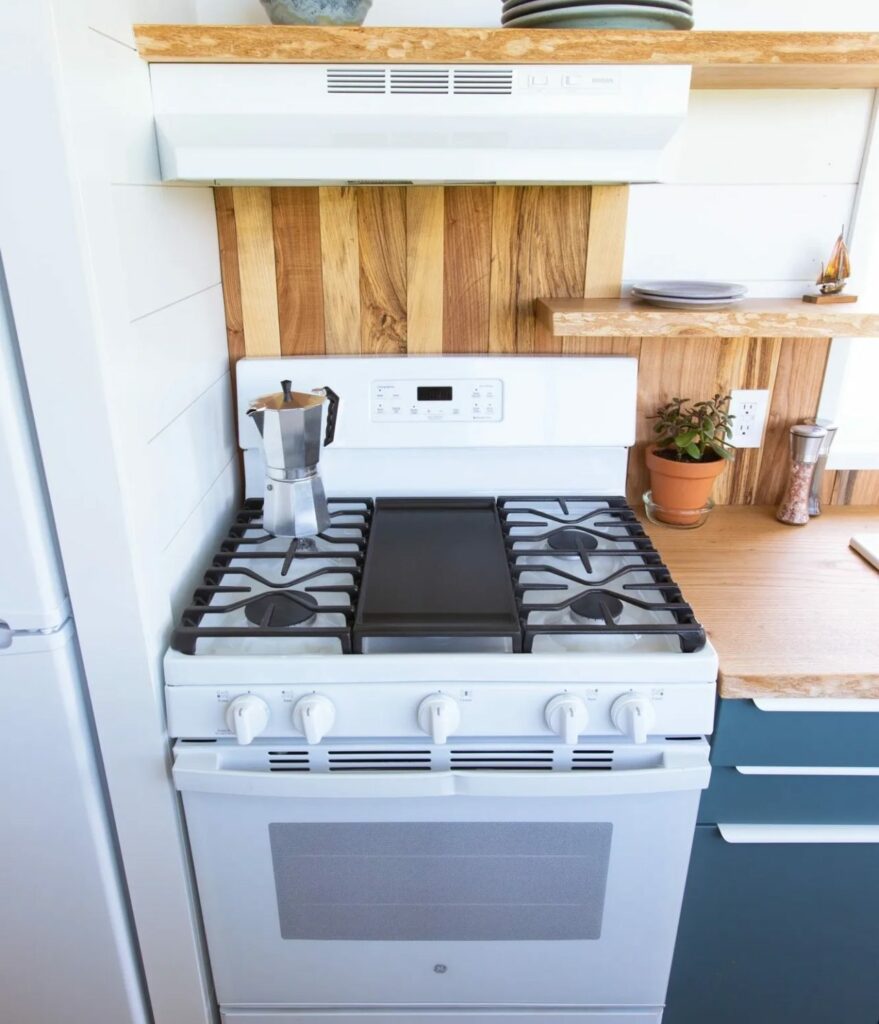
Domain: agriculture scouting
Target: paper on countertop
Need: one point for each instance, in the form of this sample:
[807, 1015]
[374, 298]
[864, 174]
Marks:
[867, 545]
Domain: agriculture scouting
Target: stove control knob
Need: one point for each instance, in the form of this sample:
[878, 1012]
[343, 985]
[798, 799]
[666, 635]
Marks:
[439, 716]
[634, 715]
[568, 716]
[314, 716]
[247, 716]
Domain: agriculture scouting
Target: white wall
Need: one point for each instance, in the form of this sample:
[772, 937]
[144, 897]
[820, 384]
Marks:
[806, 15]
[155, 263]
[763, 180]
[762, 183]
[115, 285]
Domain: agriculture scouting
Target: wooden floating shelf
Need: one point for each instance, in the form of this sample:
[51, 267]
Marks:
[755, 318]
[720, 60]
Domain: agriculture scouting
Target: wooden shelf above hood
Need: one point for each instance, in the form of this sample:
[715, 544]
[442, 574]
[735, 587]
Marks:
[720, 60]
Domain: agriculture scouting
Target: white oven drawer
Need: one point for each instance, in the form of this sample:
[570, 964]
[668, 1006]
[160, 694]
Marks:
[440, 889]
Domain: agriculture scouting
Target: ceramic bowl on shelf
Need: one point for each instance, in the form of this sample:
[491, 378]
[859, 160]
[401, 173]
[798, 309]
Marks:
[317, 12]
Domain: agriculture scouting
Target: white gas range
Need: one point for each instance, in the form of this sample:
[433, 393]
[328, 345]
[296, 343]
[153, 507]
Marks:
[442, 763]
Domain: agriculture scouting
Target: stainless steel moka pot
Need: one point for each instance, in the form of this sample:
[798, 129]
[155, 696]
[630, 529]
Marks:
[290, 424]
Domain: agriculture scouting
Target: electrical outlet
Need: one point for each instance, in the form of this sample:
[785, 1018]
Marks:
[750, 409]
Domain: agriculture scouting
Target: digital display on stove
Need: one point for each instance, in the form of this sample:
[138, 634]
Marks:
[434, 394]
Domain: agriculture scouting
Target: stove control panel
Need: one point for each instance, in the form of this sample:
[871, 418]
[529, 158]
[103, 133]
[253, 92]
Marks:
[437, 401]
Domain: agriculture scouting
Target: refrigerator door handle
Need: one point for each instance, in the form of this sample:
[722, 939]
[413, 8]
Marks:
[6, 635]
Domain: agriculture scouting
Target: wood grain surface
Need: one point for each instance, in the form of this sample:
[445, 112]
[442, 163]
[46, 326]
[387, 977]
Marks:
[608, 220]
[467, 269]
[256, 265]
[720, 59]
[425, 241]
[296, 232]
[799, 377]
[381, 214]
[792, 610]
[340, 259]
[458, 269]
[753, 318]
[228, 238]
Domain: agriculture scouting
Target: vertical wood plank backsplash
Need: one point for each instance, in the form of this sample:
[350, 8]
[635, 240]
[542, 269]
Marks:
[396, 270]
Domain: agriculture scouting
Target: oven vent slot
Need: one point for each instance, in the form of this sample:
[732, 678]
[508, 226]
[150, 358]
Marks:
[289, 761]
[418, 81]
[356, 81]
[488, 81]
[592, 761]
[379, 760]
[514, 759]
[480, 758]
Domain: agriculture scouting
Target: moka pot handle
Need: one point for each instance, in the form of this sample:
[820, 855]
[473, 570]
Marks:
[332, 415]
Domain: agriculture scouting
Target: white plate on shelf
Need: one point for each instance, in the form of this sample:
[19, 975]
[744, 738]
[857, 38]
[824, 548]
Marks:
[515, 8]
[667, 302]
[603, 16]
[698, 290]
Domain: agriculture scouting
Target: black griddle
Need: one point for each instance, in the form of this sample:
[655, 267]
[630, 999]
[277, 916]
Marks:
[437, 568]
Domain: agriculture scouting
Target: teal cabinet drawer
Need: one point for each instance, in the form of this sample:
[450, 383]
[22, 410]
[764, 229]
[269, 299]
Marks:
[761, 795]
[779, 927]
[747, 735]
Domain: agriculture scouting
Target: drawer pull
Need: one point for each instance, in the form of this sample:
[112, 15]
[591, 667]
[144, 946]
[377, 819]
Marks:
[774, 834]
[817, 704]
[806, 770]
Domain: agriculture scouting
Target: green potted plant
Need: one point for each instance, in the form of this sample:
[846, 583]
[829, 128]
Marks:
[690, 451]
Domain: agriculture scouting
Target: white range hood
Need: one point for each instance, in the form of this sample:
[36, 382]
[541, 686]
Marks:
[375, 123]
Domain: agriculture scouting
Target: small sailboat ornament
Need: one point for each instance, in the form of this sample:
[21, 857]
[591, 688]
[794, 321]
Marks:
[833, 277]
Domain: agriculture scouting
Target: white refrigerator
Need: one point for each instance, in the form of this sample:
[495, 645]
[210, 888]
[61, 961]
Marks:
[67, 948]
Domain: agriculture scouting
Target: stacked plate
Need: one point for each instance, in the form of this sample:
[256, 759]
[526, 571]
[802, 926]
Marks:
[631, 14]
[690, 294]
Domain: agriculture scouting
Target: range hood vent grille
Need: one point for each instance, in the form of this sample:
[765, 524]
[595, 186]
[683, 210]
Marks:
[478, 82]
[418, 81]
[357, 80]
[404, 81]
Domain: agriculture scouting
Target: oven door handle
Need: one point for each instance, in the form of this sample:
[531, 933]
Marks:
[200, 771]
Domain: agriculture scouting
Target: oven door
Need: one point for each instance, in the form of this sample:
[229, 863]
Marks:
[442, 889]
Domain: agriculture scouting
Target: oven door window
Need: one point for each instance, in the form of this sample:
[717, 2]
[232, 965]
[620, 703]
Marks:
[447, 881]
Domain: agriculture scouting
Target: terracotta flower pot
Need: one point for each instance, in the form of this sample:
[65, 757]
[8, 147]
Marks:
[681, 489]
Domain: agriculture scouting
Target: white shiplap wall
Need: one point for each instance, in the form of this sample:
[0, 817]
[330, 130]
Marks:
[158, 270]
[142, 475]
[762, 181]
[805, 15]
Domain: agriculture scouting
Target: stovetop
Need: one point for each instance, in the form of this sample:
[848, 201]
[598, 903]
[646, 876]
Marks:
[535, 575]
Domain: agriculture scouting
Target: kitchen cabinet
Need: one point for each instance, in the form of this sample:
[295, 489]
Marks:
[777, 933]
[780, 921]
[746, 734]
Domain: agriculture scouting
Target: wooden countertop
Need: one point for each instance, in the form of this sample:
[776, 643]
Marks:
[792, 610]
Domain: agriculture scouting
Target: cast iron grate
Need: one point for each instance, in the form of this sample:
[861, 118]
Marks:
[289, 612]
[585, 538]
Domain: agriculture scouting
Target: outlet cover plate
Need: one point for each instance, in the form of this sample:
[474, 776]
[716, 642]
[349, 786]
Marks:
[750, 409]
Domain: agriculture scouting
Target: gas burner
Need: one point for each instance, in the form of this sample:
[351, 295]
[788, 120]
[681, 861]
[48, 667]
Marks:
[598, 606]
[273, 611]
[572, 542]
